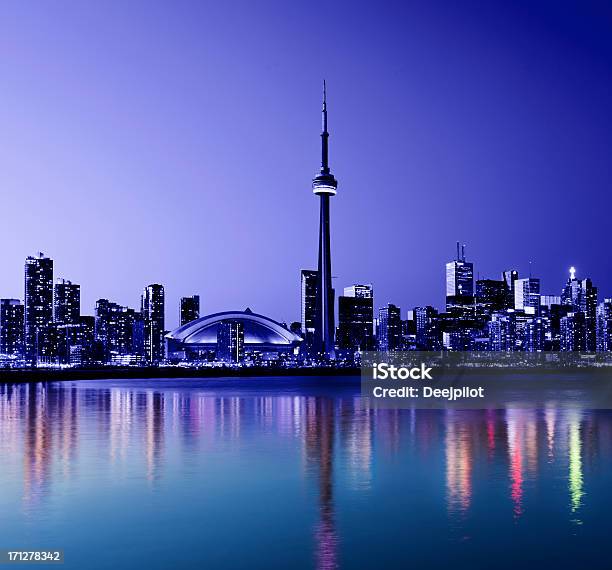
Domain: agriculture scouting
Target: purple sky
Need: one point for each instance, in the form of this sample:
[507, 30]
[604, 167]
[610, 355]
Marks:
[175, 142]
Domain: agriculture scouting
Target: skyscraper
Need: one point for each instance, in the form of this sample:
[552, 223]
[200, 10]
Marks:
[11, 327]
[38, 307]
[588, 305]
[604, 326]
[428, 333]
[356, 318]
[491, 297]
[308, 304]
[509, 277]
[190, 309]
[581, 296]
[67, 303]
[153, 314]
[460, 285]
[389, 328]
[324, 185]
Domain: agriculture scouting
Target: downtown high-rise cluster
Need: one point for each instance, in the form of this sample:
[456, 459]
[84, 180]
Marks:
[49, 329]
[506, 314]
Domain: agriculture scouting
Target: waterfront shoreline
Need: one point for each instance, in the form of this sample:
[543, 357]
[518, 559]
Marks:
[28, 375]
[32, 375]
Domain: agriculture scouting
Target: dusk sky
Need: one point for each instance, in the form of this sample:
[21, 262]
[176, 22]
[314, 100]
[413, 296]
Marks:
[175, 142]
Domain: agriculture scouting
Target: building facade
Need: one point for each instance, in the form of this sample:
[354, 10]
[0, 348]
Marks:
[190, 309]
[11, 327]
[153, 311]
[38, 308]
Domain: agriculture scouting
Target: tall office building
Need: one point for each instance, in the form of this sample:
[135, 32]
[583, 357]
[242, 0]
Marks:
[230, 341]
[509, 278]
[428, 332]
[527, 295]
[573, 333]
[190, 309]
[581, 296]
[153, 313]
[356, 319]
[460, 285]
[67, 303]
[502, 332]
[308, 304]
[389, 328]
[324, 185]
[571, 292]
[11, 327]
[588, 305]
[491, 297]
[604, 326]
[38, 307]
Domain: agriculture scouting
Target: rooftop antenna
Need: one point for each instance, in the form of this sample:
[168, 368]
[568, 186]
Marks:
[463, 252]
[458, 256]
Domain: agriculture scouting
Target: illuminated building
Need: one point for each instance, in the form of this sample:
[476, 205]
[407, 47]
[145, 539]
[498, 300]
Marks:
[11, 327]
[527, 295]
[190, 309]
[308, 305]
[356, 319]
[428, 334]
[509, 277]
[604, 326]
[38, 307]
[573, 333]
[264, 338]
[153, 311]
[67, 303]
[389, 328]
[491, 297]
[230, 341]
[460, 285]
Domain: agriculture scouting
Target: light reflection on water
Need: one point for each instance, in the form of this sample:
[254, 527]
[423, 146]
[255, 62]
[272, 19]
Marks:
[299, 472]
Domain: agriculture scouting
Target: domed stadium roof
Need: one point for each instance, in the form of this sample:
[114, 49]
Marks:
[260, 332]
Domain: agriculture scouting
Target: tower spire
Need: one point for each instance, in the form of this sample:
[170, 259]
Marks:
[324, 134]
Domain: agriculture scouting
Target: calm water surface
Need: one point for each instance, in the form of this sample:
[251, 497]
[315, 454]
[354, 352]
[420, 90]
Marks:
[281, 473]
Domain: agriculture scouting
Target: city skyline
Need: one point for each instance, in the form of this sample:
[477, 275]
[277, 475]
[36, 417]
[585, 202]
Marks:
[146, 149]
[508, 314]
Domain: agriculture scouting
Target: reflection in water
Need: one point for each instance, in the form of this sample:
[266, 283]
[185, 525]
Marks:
[341, 443]
[459, 457]
[575, 462]
[516, 432]
[319, 448]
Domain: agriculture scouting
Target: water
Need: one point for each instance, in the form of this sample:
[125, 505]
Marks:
[282, 473]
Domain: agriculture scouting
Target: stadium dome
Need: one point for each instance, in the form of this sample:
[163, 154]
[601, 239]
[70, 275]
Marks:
[260, 333]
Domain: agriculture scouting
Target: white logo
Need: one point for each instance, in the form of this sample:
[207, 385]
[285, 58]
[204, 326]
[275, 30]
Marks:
[384, 371]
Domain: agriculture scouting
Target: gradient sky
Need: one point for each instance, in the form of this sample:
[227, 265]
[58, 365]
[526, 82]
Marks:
[175, 142]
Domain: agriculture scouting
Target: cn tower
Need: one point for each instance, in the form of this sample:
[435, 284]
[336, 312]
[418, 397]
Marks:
[324, 185]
